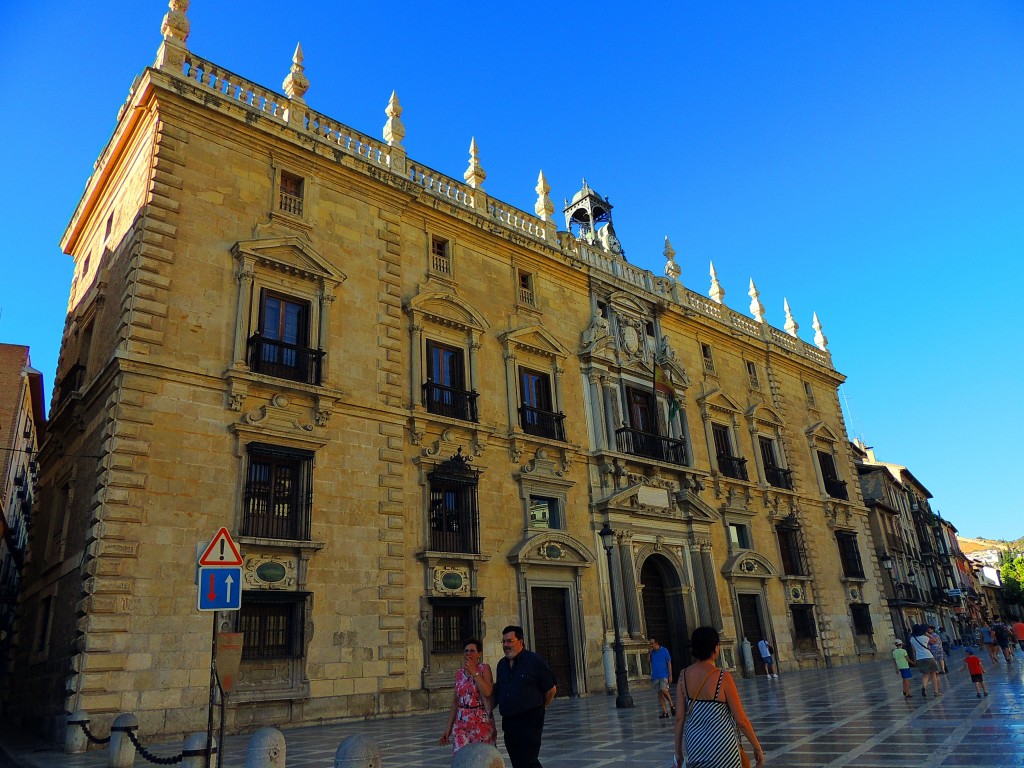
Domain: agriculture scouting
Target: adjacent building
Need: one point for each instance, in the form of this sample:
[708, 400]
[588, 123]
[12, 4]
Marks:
[414, 406]
[22, 429]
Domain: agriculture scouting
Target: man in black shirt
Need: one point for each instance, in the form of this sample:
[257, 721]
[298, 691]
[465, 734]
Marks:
[523, 690]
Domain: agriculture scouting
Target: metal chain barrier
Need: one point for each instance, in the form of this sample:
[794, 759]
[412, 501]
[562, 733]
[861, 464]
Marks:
[149, 756]
[89, 735]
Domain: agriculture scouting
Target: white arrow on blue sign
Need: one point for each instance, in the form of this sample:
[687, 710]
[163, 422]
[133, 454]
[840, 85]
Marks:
[220, 589]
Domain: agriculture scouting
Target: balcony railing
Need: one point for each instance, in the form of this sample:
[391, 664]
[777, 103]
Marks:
[284, 361]
[732, 466]
[651, 446]
[450, 402]
[542, 423]
[836, 489]
[779, 478]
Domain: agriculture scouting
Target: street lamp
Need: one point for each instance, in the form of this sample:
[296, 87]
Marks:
[622, 698]
[889, 564]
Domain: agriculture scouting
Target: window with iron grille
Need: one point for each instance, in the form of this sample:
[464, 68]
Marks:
[849, 555]
[755, 382]
[804, 630]
[526, 293]
[453, 621]
[861, 613]
[281, 346]
[536, 410]
[272, 624]
[834, 487]
[440, 256]
[453, 516]
[278, 493]
[793, 563]
[708, 357]
[728, 464]
[445, 392]
[773, 473]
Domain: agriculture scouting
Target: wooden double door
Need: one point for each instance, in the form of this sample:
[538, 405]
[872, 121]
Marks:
[551, 634]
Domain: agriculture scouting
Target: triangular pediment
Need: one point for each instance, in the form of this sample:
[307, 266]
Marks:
[550, 548]
[291, 255]
[717, 399]
[625, 301]
[698, 509]
[447, 307]
[749, 564]
[823, 431]
[535, 339]
[765, 413]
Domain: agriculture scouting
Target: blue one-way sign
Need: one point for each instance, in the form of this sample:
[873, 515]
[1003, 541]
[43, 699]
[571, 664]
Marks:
[220, 588]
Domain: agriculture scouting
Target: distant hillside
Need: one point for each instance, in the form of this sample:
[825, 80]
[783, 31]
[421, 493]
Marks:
[968, 545]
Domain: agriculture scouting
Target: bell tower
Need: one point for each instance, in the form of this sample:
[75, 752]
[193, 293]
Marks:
[589, 218]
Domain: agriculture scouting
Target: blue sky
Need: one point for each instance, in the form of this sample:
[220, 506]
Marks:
[864, 160]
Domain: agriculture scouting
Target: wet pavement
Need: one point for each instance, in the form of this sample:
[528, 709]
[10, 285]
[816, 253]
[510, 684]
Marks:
[849, 716]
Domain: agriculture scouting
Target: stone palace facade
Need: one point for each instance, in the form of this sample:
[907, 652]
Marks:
[414, 406]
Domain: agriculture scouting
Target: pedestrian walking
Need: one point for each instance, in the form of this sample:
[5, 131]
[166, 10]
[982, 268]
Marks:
[988, 639]
[765, 649]
[524, 689]
[923, 659]
[710, 711]
[901, 659]
[935, 646]
[1018, 633]
[661, 676]
[1002, 636]
[471, 720]
[947, 644]
[973, 665]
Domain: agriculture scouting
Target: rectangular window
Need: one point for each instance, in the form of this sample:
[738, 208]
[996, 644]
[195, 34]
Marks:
[793, 563]
[272, 624]
[755, 383]
[728, 465]
[278, 493]
[536, 416]
[453, 622]
[773, 473]
[280, 347]
[834, 487]
[804, 630]
[809, 392]
[849, 555]
[526, 294]
[739, 536]
[291, 193]
[444, 392]
[440, 256]
[544, 512]
[709, 358]
[861, 619]
[453, 516]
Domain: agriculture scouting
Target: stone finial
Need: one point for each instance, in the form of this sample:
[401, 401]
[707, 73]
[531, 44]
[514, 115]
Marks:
[820, 339]
[717, 292]
[394, 129]
[791, 326]
[756, 307]
[672, 269]
[296, 84]
[176, 25]
[544, 207]
[474, 174]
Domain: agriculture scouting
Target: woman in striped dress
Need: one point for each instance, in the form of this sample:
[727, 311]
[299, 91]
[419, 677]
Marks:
[709, 711]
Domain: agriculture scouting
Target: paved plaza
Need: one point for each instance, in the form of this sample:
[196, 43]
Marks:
[851, 716]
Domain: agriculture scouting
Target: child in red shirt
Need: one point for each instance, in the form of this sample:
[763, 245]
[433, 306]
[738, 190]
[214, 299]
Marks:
[973, 665]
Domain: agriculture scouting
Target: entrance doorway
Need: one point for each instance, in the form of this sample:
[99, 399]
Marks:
[663, 610]
[551, 633]
[753, 630]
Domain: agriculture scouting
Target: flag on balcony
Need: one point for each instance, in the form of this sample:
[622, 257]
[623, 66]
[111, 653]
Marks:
[663, 385]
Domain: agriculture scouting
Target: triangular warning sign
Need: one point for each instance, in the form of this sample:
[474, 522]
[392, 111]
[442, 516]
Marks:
[222, 551]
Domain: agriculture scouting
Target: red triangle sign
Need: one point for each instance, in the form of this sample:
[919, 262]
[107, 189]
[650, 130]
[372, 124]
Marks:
[222, 551]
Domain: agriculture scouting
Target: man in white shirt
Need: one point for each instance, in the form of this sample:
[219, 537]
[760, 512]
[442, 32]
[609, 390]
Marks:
[765, 649]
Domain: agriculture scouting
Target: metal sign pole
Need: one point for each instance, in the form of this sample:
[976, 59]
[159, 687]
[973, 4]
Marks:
[213, 683]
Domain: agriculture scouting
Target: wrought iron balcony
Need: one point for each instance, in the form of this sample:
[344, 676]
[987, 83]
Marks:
[779, 477]
[732, 466]
[284, 361]
[651, 446]
[455, 530]
[836, 489]
[542, 423]
[450, 402]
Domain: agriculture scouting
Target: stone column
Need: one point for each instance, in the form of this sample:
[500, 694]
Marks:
[630, 589]
[474, 349]
[618, 592]
[327, 298]
[557, 372]
[511, 398]
[700, 588]
[609, 416]
[596, 411]
[708, 566]
[245, 282]
[415, 365]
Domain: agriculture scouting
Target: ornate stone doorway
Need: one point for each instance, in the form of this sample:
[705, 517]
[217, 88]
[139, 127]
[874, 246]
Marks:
[664, 616]
[551, 633]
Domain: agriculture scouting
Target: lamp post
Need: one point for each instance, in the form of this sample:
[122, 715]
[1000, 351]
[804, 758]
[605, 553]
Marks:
[622, 698]
[889, 564]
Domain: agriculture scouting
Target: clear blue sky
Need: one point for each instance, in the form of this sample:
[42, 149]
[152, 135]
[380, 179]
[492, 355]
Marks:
[864, 160]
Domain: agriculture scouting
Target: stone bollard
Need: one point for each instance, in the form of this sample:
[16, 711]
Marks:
[193, 752]
[608, 659]
[748, 658]
[122, 751]
[478, 756]
[266, 749]
[357, 751]
[75, 740]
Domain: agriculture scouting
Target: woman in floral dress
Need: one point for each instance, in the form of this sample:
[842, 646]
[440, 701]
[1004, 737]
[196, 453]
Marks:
[470, 720]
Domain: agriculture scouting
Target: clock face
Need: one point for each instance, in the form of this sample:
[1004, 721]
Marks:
[614, 245]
